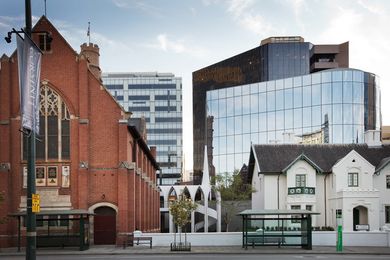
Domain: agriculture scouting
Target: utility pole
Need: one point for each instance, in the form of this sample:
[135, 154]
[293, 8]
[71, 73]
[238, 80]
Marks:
[31, 233]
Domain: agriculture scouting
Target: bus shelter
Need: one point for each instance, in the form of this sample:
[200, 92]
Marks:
[277, 227]
[58, 228]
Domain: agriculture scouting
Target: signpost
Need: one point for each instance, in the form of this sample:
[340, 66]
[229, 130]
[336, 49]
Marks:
[339, 220]
[36, 203]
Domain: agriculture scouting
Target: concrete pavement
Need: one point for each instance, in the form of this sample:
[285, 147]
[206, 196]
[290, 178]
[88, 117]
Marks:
[113, 250]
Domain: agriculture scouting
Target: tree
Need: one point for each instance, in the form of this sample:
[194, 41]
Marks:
[232, 189]
[181, 210]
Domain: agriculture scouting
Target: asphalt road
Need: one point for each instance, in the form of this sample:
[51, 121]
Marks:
[207, 256]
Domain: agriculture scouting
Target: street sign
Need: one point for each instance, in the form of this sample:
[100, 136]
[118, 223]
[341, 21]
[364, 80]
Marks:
[36, 203]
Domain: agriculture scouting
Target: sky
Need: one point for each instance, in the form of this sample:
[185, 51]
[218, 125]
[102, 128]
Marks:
[182, 36]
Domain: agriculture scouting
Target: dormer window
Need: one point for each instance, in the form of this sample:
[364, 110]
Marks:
[44, 42]
[300, 180]
[353, 179]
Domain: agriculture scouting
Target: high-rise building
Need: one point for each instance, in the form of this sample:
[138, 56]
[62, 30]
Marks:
[158, 98]
[282, 91]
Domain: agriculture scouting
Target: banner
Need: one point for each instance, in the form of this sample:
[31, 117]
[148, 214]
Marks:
[29, 67]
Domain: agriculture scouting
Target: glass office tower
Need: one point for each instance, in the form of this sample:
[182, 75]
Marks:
[275, 58]
[331, 106]
[158, 98]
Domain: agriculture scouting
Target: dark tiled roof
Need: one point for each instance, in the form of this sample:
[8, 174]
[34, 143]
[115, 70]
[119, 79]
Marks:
[275, 158]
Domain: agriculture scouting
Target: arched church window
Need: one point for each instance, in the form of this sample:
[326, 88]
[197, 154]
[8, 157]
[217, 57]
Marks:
[54, 130]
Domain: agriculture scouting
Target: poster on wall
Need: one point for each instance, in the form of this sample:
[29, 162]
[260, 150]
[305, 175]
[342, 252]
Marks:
[65, 176]
[24, 177]
[40, 176]
[52, 176]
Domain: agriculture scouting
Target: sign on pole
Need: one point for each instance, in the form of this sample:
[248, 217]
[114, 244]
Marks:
[339, 220]
[29, 68]
[36, 201]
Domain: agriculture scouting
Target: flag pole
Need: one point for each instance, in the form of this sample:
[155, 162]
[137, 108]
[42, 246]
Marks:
[31, 189]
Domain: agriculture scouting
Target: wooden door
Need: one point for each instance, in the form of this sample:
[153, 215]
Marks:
[104, 226]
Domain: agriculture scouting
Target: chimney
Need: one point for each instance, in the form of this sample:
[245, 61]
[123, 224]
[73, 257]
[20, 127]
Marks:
[373, 138]
[91, 52]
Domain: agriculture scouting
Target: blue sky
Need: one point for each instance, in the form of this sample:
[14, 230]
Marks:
[181, 36]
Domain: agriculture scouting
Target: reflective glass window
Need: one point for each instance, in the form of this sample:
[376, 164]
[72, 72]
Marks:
[230, 162]
[229, 92]
[358, 112]
[316, 94]
[347, 114]
[262, 102]
[297, 117]
[337, 76]
[326, 77]
[262, 87]
[288, 98]
[316, 116]
[270, 85]
[246, 105]
[347, 92]
[222, 126]
[358, 76]
[326, 93]
[230, 107]
[255, 138]
[337, 114]
[337, 134]
[254, 88]
[254, 99]
[214, 94]
[279, 119]
[306, 96]
[222, 164]
[316, 78]
[271, 101]
[246, 144]
[279, 99]
[358, 96]
[288, 83]
[347, 75]
[218, 105]
[246, 90]
[306, 120]
[238, 143]
[337, 92]
[263, 138]
[246, 124]
[348, 136]
[297, 97]
[237, 105]
[230, 144]
[237, 91]
[238, 161]
[297, 81]
[254, 123]
[263, 122]
[279, 84]
[237, 125]
[222, 93]
[230, 125]
[271, 137]
[271, 120]
[326, 111]
[306, 80]
[288, 119]
[222, 145]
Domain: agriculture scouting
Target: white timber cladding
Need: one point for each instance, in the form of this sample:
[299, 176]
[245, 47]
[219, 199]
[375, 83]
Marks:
[384, 199]
[369, 198]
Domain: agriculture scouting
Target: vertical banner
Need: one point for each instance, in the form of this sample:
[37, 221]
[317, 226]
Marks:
[29, 67]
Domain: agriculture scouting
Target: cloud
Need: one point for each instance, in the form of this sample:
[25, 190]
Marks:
[138, 5]
[166, 44]
[243, 14]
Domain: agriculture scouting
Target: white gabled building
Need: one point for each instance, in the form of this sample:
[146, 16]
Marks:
[324, 178]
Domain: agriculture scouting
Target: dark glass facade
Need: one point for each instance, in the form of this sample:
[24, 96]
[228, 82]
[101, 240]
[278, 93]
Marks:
[331, 106]
[276, 58]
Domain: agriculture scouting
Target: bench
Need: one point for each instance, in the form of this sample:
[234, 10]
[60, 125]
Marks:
[131, 240]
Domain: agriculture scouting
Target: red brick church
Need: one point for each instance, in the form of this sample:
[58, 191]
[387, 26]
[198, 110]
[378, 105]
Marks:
[91, 155]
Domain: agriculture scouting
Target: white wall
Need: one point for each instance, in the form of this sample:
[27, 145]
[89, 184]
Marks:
[320, 238]
[258, 186]
[301, 167]
[384, 199]
[271, 191]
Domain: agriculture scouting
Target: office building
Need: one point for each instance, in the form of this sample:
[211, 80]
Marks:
[157, 97]
[264, 96]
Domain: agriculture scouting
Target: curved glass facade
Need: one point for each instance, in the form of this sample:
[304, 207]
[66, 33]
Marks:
[331, 106]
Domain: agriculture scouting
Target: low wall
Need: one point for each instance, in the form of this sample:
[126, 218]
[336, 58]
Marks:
[320, 238]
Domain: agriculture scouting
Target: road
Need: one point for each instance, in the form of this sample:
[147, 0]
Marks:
[207, 256]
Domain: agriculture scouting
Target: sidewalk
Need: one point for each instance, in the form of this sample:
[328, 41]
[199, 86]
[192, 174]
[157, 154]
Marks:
[112, 250]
